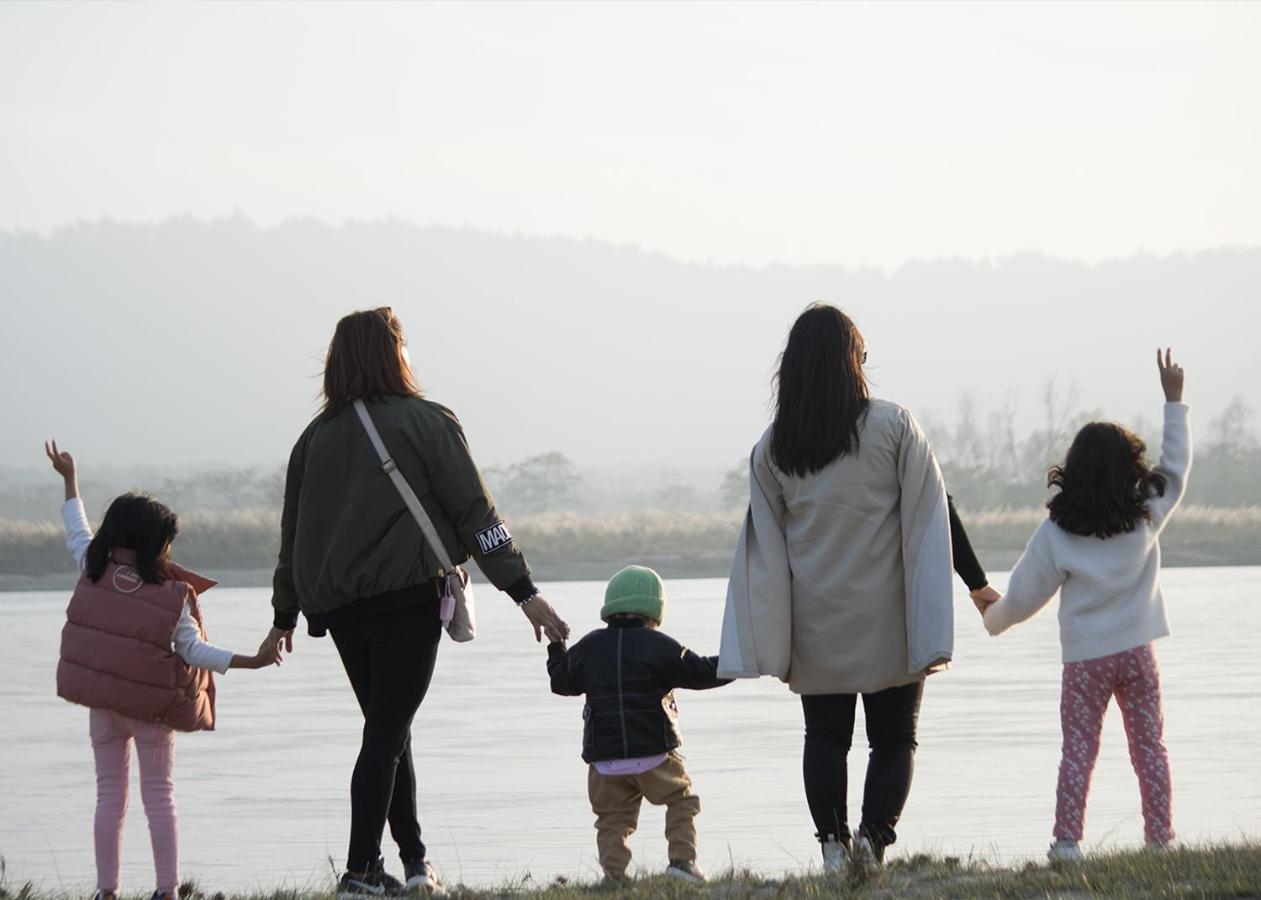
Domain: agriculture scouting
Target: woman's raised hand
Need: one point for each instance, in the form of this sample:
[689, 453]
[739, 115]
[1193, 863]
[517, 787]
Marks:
[1171, 375]
[545, 619]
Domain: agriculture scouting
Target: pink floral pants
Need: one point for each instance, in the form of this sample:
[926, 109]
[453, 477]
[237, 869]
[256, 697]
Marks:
[1088, 686]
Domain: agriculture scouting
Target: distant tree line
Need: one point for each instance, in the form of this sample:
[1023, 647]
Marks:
[988, 466]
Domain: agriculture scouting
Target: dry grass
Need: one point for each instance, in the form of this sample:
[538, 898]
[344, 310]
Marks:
[1220, 871]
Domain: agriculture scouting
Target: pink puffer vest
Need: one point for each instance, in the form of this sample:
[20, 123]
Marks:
[116, 648]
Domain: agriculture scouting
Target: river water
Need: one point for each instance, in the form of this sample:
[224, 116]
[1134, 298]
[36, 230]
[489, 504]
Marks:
[263, 800]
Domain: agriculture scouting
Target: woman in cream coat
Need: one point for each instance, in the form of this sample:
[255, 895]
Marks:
[841, 584]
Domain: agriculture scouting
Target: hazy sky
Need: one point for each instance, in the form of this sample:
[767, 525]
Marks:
[733, 133]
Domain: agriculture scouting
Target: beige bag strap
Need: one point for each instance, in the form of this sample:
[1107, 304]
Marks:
[405, 489]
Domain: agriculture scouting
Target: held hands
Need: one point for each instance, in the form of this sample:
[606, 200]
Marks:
[983, 598]
[268, 655]
[545, 619]
[276, 639]
[1171, 376]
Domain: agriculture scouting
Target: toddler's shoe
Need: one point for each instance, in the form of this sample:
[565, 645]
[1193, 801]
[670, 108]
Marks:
[1065, 851]
[375, 882]
[614, 881]
[686, 870]
[420, 878]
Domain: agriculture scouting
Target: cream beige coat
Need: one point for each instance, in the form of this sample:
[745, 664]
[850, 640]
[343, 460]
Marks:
[842, 579]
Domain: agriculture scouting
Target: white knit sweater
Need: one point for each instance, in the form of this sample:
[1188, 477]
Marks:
[1110, 596]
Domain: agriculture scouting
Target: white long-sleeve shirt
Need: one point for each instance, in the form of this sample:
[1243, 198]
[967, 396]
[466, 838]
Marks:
[1110, 596]
[187, 640]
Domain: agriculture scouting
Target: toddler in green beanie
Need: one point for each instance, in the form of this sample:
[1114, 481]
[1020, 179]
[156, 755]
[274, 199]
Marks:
[628, 672]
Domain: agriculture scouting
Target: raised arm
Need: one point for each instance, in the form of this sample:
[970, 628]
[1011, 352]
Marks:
[73, 516]
[1175, 442]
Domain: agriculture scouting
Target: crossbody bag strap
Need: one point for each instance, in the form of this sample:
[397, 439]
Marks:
[404, 489]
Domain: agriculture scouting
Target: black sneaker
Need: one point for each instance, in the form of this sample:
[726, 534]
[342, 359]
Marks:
[422, 880]
[375, 882]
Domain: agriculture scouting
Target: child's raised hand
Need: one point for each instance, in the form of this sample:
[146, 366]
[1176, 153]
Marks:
[1171, 375]
[63, 463]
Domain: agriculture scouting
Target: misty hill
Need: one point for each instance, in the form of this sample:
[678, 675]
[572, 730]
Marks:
[192, 342]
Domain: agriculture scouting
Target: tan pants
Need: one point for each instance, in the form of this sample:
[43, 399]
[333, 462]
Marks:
[615, 801]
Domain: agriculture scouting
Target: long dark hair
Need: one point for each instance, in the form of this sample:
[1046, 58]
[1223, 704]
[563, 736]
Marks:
[366, 359]
[820, 391]
[134, 522]
[1104, 482]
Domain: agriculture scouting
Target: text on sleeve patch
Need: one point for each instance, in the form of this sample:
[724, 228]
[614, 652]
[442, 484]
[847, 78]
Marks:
[494, 538]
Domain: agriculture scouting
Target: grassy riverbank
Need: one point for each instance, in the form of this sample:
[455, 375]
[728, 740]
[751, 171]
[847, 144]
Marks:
[239, 546]
[1223, 871]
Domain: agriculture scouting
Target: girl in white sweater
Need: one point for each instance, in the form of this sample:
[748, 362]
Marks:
[1100, 548]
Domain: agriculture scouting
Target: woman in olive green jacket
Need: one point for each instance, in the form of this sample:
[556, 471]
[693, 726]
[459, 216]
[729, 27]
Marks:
[354, 561]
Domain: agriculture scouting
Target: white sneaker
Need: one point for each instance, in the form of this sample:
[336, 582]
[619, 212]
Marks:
[835, 857]
[422, 880]
[1064, 851]
[686, 870]
[865, 859]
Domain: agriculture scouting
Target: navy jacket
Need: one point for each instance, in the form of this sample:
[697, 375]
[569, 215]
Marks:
[628, 673]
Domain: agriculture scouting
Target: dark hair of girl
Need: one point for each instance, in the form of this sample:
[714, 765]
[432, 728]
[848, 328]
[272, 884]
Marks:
[134, 522]
[820, 391]
[365, 359]
[1104, 482]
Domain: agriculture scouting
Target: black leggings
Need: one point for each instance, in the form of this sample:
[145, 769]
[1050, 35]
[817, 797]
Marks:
[390, 660]
[891, 716]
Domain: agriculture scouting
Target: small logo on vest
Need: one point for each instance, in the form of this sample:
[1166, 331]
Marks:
[127, 580]
[494, 538]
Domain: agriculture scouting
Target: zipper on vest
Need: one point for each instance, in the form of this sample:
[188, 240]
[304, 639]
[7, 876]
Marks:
[621, 704]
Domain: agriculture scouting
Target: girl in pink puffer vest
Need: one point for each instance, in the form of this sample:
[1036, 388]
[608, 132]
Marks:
[134, 651]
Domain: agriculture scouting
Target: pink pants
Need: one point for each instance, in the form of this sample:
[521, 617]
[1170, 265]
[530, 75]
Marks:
[112, 735]
[1088, 686]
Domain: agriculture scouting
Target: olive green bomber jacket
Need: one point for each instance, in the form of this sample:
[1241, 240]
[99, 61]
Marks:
[345, 531]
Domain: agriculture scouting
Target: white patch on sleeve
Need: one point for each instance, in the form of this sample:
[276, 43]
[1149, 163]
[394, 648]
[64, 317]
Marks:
[496, 537]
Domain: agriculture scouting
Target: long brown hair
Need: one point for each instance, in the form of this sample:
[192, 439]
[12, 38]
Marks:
[1104, 483]
[820, 391]
[366, 359]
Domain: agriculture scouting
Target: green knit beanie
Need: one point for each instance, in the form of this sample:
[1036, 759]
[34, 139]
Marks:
[637, 591]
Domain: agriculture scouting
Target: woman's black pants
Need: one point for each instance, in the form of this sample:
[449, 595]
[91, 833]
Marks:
[390, 659]
[891, 716]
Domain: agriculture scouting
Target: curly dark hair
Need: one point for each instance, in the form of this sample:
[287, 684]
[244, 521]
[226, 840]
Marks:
[821, 393]
[1104, 482]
